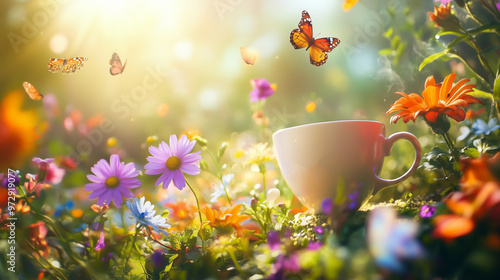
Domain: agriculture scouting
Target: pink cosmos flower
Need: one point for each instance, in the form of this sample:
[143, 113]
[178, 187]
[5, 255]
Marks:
[173, 161]
[443, 2]
[112, 181]
[262, 89]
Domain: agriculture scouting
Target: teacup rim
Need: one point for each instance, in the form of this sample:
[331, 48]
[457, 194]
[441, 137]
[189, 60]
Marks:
[325, 122]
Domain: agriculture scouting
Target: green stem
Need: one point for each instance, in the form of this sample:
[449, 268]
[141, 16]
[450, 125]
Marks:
[197, 202]
[264, 185]
[227, 195]
[199, 212]
[47, 261]
[451, 146]
[132, 245]
[236, 264]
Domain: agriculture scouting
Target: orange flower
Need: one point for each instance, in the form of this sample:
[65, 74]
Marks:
[452, 226]
[17, 131]
[438, 99]
[478, 172]
[37, 233]
[225, 221]
[444, 18]
[182, 214]
[349, 4]
[478, 200]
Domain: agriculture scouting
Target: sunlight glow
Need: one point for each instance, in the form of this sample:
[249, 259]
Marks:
[183, 50]
[58, 43]
[209, 99]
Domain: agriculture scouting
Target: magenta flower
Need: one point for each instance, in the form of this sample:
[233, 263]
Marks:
[262, 89]
[173, 161]
[42, 164]
[443, 2]
[427, 211]
[327, 206]
[113, 181]
[100, 243]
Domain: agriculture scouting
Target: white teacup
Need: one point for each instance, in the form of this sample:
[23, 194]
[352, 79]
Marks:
[338, 159]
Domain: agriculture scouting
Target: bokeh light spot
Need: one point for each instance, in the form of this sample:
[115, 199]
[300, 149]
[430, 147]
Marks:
[58, 43]
[162, 110]
[208, 99]
[183, 50]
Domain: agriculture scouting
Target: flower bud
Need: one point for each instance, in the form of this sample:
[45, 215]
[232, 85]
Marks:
[253, 203]
[282, 207]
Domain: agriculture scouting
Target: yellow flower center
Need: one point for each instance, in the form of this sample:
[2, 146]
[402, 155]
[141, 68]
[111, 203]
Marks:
[112, 182]
[173, 163]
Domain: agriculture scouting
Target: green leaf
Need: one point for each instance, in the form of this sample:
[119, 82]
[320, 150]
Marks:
[471, 152]
[170, 259]
[395, 42]
[388, 33]
[386, 52]
[221, 150]
[431, 58]
[481, 94]
[458, 34]
[496, 87]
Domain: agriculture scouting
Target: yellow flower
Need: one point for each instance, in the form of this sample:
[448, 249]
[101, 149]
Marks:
[259, 153]
[17, 131]
[349, 4]
[224, 221]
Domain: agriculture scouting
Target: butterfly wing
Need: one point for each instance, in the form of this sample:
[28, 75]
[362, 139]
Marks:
[32, 91]
[55, 64]
[302, 37]
[73, 64]
[248, 55]
[318, 50]
[116, 65]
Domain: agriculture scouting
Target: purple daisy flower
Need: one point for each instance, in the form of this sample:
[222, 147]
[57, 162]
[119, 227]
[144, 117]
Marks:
[262, 89]
[113, 181]
[172, 161]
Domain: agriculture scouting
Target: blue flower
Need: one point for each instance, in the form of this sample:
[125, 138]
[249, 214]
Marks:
[61, 208]
[391, 241]
[481, 127]
[145, 215]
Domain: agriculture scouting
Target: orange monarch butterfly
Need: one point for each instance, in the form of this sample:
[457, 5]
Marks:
[318, 48]
[116, 65]
[67, 66]
[32, 91]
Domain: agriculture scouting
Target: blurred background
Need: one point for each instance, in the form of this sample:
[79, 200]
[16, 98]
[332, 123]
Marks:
[184, 69]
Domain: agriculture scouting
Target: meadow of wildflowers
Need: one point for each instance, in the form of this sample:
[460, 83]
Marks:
[186, 189]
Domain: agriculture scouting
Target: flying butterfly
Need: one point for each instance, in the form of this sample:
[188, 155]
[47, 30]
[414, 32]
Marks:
[318, 48]
[116, 65]
[67, 66]
[248, 55]
[32, 91]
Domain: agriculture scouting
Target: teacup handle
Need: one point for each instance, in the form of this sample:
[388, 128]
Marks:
[389, 141]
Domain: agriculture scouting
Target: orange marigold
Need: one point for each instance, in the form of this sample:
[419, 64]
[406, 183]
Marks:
[436, 100]
[17, 131]
[225, 221]
[444, 18]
